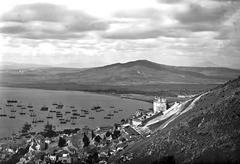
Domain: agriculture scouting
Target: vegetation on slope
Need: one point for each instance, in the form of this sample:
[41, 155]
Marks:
[208, 133]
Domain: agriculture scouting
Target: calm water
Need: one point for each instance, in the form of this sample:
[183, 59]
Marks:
[80, 100]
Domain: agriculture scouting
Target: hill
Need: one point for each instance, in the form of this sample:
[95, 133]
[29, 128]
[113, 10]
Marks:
[131, 73]
[138, 77]
[146, 72]
[207, 133]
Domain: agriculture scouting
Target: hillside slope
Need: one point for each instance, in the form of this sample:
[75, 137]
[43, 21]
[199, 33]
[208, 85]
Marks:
[146, 72]
[207, 133]
[140, 72]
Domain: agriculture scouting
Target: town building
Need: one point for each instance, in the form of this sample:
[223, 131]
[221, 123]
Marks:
[159, 105]
[136, 122]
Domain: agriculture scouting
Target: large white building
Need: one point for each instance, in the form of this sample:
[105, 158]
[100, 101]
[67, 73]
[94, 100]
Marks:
[159, 105]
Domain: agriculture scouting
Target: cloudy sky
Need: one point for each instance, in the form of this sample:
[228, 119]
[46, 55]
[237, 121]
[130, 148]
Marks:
[87, 33]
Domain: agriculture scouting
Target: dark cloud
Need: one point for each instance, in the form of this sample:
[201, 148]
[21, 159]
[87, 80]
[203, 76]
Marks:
[200, 27]
[13, 29]
[200, 18]
[149, 13]
[200, 14]
[35, 12]
[226, 0]
[145, 34]
[38, 20]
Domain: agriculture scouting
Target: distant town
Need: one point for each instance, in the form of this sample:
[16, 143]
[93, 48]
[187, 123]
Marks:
[82, 145]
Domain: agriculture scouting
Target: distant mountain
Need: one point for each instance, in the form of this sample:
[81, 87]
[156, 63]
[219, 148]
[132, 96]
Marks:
[146, 72]
[140, 72]
[206, 131]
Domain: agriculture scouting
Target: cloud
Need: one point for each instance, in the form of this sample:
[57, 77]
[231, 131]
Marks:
[47, 21]
[226, 0]
[146, 13]
[13, 29]
[146, 34]
[170, 1]
[201, 14]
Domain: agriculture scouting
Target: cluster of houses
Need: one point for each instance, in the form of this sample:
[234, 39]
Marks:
[86, 145]
[142, 116]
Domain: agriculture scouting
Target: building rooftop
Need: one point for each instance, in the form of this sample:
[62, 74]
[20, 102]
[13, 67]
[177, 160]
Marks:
[131, 131]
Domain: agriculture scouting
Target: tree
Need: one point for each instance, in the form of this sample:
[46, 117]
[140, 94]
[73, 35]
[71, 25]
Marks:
[116, 134]
[26, 127]
[108, 134]
[97, 139]
[93, 134]
[85, 140]
[48, 131]
[123, 121]
[62, 142]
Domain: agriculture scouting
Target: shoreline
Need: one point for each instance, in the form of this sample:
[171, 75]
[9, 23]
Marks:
[123, 96]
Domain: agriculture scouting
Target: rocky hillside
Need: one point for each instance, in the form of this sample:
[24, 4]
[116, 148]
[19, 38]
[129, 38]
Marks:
[208, 133]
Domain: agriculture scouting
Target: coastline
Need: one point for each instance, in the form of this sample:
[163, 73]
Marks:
[123, 96]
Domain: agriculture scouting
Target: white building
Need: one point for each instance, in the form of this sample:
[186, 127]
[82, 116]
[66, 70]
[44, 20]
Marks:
[136, 122]
[159, 105]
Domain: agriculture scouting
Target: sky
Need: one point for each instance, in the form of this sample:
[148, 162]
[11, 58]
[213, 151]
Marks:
[90, 33]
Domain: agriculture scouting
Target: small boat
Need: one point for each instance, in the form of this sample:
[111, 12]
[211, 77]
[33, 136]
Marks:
[67, 112]
[91, 118]
[32, 115]
[49, 117]
[63, 122]
[30, 110]
[115, 111]
[72, 106]
[59, 106]
[110, 114]
[22, 113]
[82, 116]
[73, 117]
[3, 115]
[30, 106]
[12, 101]
[9, 105]
[107, 117]
[44, 108]
[96, 107]
[74, 110]
[12, 116]
[111, 106]
[40, 121]
[76, 114]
